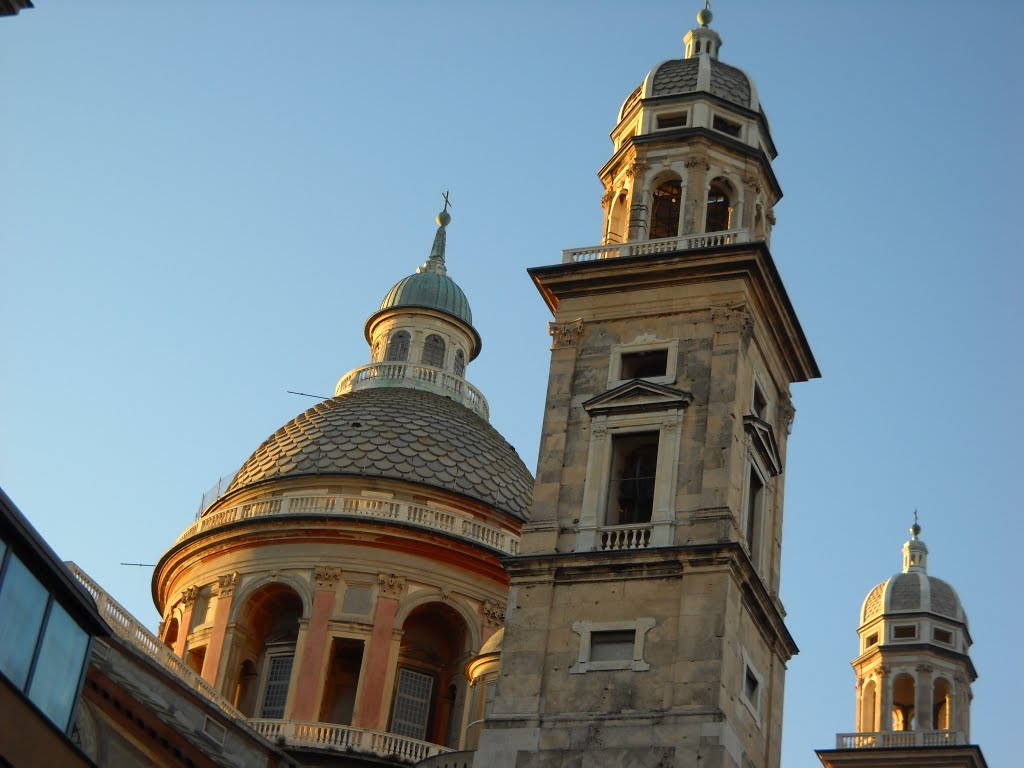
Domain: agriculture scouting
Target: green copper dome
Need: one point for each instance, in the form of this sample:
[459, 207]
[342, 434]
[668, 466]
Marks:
[430, 290]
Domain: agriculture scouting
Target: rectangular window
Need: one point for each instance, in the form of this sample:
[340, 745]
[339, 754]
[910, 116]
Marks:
[644, 365]
[755, 494]
[729, 127]
[760, 404]
[23, 601]
[943, 635]
[59, 666]
[751, 686]
[676, 120]
[904, 632]
[413, 697]
[275, 693]
[871, 641]
[612, 646]
[631, 490]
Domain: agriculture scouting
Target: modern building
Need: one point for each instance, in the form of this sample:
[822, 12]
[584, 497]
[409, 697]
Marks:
[914, 675]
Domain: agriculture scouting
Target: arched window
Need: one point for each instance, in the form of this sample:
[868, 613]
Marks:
[617, 219]
[171, 633]
[719, 207]
[665, 206]
[903, 690]
[460, 363]
[398, 347]
[867, 707]
[433, 351]
[940, 705]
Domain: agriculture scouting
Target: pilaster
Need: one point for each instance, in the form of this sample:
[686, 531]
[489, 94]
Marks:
[315, 646]
[370, 697]
[212, 667]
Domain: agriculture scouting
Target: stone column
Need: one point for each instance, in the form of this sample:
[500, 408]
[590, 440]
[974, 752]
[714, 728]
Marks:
[696, 194]
[309, 684]
[370, 696]
[884, 699]
[212, 673]
[188, 603]
[923, 699]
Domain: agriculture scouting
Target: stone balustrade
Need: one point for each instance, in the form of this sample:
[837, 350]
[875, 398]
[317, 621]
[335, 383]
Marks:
[376, 374]
[129, 629]
[626, 536]
[298, 733]
[343, 505]
[649, 247]
[890, 739]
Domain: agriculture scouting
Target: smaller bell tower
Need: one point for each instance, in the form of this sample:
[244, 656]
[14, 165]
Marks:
[914, 673]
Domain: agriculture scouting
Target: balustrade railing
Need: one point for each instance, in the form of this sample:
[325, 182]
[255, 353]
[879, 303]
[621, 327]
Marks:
[626, 536]
[343, 505]
[129, 629]
[649, 247]
[462, 390]
[889, 739]
[298, 733]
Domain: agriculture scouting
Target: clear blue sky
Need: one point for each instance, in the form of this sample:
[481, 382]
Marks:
[200, 204]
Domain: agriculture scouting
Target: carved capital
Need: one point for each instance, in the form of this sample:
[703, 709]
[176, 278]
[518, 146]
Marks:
[638, 167]
[751, 181]
[390, 585]
[736, 319]
[600, 432]
[565, 334]
[226, 584]
[770, 215]
[669, 425]
[787, 412]
[606, 198]
[189, 596]
[326, 577]
[494, 614]
[698, 161]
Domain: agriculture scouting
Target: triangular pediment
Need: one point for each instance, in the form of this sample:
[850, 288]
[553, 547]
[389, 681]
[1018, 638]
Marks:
[763, 438]
[638, 395]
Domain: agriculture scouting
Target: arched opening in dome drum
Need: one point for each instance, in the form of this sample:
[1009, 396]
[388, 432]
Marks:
[719, 207]
[398, 347]
[171, 633]
[430, 689]
[868, 707]
[665, 205]
[433, 351]
[342, 681]
[634, 465]
[940, 705]
[903, 691]
[460, 363]
[263, 651]
[617, 219]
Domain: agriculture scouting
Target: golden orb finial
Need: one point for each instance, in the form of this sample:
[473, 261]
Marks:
[704, 15]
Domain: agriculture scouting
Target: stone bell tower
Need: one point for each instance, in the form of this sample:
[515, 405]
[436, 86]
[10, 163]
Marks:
[644, 624]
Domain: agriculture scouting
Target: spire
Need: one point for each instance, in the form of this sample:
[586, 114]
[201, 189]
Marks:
[703, 40]
[915, 553]
[435, 263]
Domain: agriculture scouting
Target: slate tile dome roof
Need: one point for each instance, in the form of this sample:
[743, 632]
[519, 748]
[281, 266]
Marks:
[400, 434]
[913, 592]
[679, 76]
[432, 290]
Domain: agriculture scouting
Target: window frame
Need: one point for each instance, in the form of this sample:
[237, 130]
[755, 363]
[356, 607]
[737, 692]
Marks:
[275, 651]
[749, 669]
[586, 629]
[671, 364]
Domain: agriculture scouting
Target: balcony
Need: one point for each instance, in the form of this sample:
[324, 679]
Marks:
[342, 738]
[651, 247]
[361, 507]
[897, 739]
[415, 376]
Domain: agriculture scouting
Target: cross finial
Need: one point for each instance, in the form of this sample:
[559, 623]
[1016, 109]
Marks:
[447, 202]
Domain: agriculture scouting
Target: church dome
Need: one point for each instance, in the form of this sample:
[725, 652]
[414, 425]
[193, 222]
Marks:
[913, 592]
[399, 434]
[680, 76]
[429, 290]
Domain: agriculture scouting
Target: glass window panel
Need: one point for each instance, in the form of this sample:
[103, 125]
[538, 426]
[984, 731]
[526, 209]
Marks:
[59, 668]
[276, 693]
[412, 704]
[22, 605]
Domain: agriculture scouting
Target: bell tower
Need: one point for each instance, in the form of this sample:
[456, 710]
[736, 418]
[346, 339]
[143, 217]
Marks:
[644, 625]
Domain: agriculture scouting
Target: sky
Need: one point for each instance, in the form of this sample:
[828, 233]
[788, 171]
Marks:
[202, 202]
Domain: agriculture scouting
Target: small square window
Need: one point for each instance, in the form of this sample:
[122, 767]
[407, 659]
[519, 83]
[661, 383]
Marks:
[612, 646]
[750, 689]
[645, 365]
[871, 640]
[676, 120]
[720, 123]
[654, 361]
[943, 635]
[904, 632]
